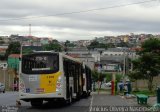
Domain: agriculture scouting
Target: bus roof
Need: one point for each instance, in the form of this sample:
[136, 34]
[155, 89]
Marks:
[62, 54]
[71, 58]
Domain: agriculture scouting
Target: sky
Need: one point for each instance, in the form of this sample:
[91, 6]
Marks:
[55, 18]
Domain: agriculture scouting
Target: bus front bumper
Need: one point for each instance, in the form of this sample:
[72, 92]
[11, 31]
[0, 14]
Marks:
[46, 96]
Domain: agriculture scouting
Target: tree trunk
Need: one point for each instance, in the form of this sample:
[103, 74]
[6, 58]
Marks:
[150, 83]
[100, 84]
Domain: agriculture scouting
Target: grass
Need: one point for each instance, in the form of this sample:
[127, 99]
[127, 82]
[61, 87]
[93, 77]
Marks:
[145, 92]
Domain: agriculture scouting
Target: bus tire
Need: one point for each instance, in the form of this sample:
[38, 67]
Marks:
[69, 100]
[85, 94]
[89, 93]
[36, 103]
[70, 97]
[78, 97]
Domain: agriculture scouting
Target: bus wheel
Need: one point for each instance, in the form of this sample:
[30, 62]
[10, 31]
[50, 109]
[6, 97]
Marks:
[36, 103]
[85, 94]
[89, 93]
[78, 96]
[70, 97]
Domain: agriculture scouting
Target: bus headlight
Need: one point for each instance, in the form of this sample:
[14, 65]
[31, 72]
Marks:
[57, 90]
[21, 86]
[59, 79]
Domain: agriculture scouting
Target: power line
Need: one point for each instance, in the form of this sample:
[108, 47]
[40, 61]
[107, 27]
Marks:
[82, 11]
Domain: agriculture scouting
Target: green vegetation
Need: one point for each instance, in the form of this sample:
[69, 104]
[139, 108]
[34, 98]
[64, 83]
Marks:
[2, 42]
[109, 77]
[100, 76]
[96, 44]
[27, 51]
[54, 45]
[147, 65]
[69, 44]
[145, 92]
[123, 44]
[13, 48]
[97, 76]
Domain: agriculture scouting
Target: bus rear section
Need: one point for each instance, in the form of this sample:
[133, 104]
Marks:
[87, 84]
[41, 78]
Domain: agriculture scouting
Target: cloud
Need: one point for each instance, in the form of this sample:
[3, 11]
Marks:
[138, 18]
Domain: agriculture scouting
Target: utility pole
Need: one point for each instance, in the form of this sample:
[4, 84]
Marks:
[124, 63]
[100, 73]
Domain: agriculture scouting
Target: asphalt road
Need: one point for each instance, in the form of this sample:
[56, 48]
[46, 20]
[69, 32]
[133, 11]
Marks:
[84, 105]
[8, 100]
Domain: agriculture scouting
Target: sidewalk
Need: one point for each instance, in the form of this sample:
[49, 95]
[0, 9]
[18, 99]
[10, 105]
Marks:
[103, 99]
[151, 101]
[106, 95]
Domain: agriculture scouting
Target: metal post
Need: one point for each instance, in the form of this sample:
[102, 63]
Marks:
[4, 78]
[99, 74]
[9, 81]
[124, 65]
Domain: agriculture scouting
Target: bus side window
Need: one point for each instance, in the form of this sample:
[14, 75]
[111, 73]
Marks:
[70, 69]
[65, 67]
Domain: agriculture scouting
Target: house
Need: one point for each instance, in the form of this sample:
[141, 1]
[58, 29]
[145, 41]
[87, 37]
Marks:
[13, 61]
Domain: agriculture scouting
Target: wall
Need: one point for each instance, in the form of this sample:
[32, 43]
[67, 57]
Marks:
[144, 83]
[13, 63]
[9, 78]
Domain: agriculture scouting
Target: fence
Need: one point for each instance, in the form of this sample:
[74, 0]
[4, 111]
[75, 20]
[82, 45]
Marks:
[7, 77]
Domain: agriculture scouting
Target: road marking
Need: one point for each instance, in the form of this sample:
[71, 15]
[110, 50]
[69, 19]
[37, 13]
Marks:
[90, 107]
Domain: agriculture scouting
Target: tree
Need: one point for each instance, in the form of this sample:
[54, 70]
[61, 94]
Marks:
[111, 45]
[98, 77]
[27, 51]
[119, 77]
[13, 48]
[148, 63]
[123, 44]
[134, 76]
[54, 45]
[95, 75]
[96, 44]
[108, 77]
[2, 42]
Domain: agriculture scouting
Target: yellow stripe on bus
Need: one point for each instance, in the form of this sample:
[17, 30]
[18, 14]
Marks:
[48, 82]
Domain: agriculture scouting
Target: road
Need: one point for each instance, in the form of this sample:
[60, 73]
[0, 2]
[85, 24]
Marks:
[84, 105]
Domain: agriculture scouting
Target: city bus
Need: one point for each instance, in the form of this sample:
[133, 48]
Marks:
[51, 76]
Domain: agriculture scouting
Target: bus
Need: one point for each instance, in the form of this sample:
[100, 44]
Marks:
[51, 76]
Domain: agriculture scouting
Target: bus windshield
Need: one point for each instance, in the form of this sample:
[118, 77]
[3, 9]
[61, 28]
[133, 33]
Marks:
[40, 63]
